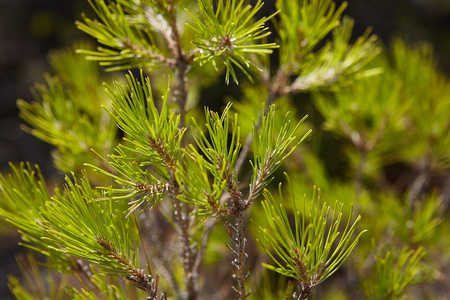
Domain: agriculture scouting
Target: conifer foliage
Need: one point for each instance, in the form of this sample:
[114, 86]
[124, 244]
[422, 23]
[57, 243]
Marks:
[159, 193]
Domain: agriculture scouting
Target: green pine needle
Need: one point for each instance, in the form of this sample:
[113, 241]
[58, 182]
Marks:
[229, 33]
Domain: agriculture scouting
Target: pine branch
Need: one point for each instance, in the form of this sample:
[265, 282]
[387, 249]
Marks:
[152, 138]
[229, 34]
[303, 25]
[220, 156]
[155, 134]
[137, 184]
[248, 141]
[128, 45]
[306, 252]
[24, 201]
[269, 153]
[88, 231]
[193, 179]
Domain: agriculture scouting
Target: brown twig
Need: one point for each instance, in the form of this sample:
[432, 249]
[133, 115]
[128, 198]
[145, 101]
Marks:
[181, 66]
[241, 257]
[240, 206]
[188, 250]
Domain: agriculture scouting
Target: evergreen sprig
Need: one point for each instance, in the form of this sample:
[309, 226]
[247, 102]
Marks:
[152, 138]
[219, 154]
[219, 151]
[71, 224]
[230, 34]
[128, 45]
[198, 188]
[333, 64]
[303, 24]
[312, 250]
[337, 62]
[153, 135]
[270, 149]
[136, 183]
[97, 231]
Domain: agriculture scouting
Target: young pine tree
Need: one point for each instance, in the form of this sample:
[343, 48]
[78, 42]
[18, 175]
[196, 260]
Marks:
[165, 199]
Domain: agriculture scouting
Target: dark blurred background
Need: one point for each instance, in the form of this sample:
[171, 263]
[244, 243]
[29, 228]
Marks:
[29, 29]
